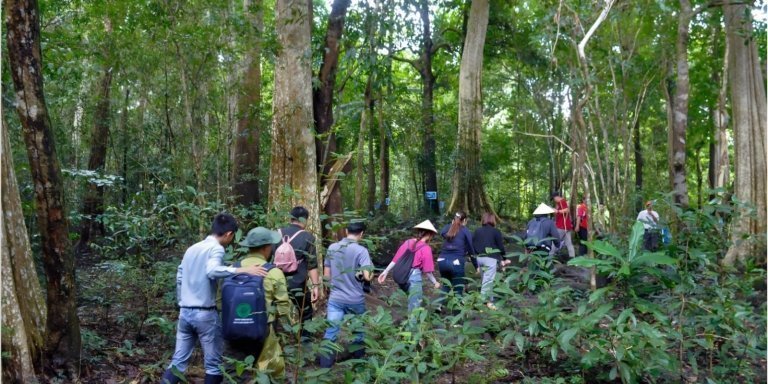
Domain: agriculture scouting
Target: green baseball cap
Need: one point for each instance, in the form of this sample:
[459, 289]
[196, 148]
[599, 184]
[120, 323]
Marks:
[260, 236]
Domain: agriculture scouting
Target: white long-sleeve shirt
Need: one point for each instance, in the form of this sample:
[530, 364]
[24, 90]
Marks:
[196, 275]
[649, 220]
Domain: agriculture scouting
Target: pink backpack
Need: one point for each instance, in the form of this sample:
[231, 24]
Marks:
[285, 256]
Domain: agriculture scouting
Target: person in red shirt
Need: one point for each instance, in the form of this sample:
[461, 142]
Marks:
[582, 224]
[563, 224]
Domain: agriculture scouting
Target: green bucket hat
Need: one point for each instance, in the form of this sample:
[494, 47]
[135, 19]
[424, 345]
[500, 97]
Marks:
[260, 236]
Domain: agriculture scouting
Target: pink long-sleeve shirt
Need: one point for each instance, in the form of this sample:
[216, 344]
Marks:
[422, 259]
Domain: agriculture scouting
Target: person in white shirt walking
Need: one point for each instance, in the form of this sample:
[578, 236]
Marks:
[196, 290]
[650, 220]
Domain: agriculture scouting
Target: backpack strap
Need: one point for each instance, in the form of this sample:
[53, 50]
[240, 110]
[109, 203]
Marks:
[237, 264]
[268, 266]
[413, 244]
[294, 235]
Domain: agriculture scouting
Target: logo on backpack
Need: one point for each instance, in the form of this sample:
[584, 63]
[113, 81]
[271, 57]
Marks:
[244, 308]
[285, 256]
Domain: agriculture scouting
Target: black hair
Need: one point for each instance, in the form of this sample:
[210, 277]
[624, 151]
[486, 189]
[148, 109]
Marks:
[556, 194]
[455, 224]
[223, 223]
[356, 227]
[299, 212]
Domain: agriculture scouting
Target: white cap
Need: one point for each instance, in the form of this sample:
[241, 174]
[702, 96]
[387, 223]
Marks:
[543, 209]
[426, 224]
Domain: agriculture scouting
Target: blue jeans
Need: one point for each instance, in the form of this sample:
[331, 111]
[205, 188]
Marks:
[203, 325]
[488, 266]
[452, 271]
[336, 312]
[415, 292]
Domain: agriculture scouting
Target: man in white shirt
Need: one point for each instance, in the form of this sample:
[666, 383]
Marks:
[650, 220]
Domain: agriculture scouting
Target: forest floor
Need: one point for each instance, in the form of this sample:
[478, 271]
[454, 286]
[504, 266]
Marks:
[125, 350]
[128, 325]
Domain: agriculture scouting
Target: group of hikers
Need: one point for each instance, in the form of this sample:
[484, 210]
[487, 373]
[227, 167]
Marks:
[277, 282]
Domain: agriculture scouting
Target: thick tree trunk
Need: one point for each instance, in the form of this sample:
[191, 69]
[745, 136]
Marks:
[325, 139]
[293, 159]
[428, 161]
[124, 145]
[383, 158]
[680, 107]
[468, 188]
[246, 151]
[749, 127]
[93, 203]
[62, 324]
[23, 300]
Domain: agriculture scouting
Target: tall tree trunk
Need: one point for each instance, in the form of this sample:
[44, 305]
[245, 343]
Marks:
[124, 144]
[428, 161]
[720, 170]
[639, 162]
[93, 203]
[468, 188]
[62, 324]
[246, 152]
[749, 127]
[360, 152]
[383, 158]
[23, 301]
[371, 164]
[322, 107]
[293, 160]
[680, 106]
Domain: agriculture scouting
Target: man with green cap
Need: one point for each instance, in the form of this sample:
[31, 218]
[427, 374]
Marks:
[270, 357]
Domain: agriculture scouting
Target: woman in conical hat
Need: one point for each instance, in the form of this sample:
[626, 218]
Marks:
[422, 263]
[541, 232]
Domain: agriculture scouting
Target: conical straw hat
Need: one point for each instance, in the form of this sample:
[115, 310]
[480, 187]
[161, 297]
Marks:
[426, 224]
[543, 209]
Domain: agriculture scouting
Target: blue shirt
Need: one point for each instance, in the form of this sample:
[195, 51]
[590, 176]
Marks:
[344, 259]
[196, 275]
[458, 246]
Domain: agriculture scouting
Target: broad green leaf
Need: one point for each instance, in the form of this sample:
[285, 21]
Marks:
[654, 259]
[583, 261]
[604, 248]
[635, 241]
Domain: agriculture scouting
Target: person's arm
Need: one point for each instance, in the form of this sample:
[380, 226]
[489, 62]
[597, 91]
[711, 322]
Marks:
[434, 281]
[470, 247]
[275, 287]
[366, 265]
[214, 268]
[310, 256]
[499, 239]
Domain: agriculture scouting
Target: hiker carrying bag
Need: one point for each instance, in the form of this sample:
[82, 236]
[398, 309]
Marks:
[285, 256]
[534, 234]
[401, 272]
[244, 312]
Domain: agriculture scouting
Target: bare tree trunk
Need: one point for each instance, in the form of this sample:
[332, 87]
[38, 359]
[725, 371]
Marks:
[383, 158]
[124, 144]
[749, 127]
[62, 324]
[293, 159]
[468, 188]
[93, 203]
[720, 170]
[680, 107]
[371, 164]
[325, 139]
[360, 153]
[429, 163]
[246, 151]
[23, 314]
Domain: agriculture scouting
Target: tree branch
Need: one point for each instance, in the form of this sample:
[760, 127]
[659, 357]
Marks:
[546, 137]
[415, 63]
[439, 45]
[588, 35]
